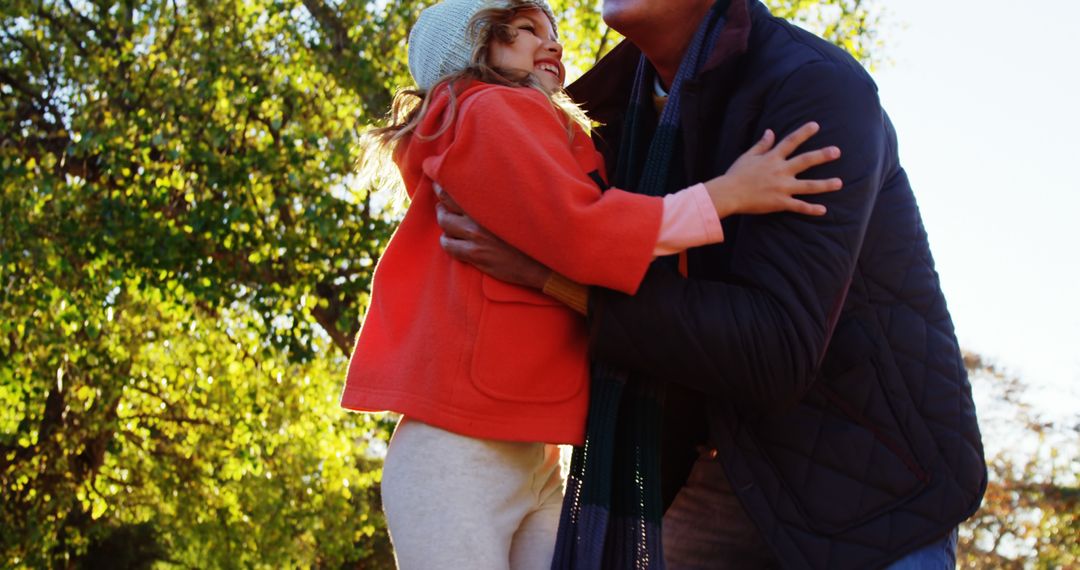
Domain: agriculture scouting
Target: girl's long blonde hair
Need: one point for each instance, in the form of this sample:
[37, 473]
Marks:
[410, 106]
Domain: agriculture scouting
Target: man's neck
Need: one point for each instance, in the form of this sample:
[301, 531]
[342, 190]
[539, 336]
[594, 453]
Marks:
[665, 51]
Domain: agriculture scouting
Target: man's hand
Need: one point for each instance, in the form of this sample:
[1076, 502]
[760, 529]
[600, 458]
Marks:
[466, 241]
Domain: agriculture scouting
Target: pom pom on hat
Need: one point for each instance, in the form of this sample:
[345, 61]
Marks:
[440, 42]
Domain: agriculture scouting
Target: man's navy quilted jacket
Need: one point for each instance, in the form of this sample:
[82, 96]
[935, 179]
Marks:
[822, 348]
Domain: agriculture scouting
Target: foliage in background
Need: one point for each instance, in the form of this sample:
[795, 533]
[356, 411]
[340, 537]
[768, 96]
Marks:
[1030, 516]
[183, 264]
[183, 268]
[854, 25]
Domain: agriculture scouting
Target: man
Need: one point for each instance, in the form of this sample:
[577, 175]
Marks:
[818, 414]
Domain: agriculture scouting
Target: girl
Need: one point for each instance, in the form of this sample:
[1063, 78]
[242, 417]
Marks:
[489, 377]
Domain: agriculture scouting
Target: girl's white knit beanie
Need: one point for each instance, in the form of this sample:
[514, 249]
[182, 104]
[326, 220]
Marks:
[440, 42]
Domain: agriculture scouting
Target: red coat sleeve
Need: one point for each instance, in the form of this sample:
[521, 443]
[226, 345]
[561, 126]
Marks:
[512, 168]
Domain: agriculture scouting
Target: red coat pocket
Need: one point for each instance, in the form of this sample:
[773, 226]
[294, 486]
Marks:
[529, 347]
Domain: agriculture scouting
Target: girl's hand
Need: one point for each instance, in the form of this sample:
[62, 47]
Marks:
[762, 180]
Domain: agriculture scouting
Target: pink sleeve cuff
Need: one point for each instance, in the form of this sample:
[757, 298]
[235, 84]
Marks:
[689, 220]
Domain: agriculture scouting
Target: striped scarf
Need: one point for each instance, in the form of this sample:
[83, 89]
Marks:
[612, 511]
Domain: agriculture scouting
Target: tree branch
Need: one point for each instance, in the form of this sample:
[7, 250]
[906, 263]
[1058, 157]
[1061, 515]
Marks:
[327, 319]
[72, 36]
[331, 24]
[168, 418]
[105, 38]
[602, 45]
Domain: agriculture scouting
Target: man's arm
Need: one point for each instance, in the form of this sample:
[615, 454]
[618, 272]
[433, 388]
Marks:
[466, 241]
[760, 335]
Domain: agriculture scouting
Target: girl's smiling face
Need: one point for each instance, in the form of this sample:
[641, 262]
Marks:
[535, 49]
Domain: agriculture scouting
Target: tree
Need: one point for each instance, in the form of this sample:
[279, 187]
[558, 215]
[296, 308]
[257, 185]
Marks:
[1030, 517]
[185, 258]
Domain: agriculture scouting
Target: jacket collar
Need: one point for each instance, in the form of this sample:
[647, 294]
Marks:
[605, 89]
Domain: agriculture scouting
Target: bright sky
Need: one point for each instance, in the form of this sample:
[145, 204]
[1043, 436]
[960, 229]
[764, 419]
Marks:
[985, 96]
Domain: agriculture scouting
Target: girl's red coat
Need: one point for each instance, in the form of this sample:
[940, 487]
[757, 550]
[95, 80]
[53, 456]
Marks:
[452, 347]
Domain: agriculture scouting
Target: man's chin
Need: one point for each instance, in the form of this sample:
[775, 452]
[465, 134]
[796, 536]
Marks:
[618, 18]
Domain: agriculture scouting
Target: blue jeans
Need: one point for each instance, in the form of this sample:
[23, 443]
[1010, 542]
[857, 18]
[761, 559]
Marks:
[937, 555]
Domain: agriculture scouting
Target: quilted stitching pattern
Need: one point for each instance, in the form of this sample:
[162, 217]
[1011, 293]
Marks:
[820, 461]
[883, 454]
